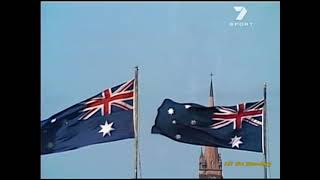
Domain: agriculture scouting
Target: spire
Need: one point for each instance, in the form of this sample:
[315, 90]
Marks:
[211, 99]
[211, 88]
[201, 155]
[210, 163]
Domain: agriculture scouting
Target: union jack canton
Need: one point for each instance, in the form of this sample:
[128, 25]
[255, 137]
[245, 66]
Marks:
[251, 112]
[110, 100]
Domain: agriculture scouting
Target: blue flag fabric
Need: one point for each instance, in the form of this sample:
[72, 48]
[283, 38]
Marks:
[235, 127]
[106, 117]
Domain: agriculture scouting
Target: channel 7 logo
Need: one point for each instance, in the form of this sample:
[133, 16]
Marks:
[242, 12]
[239, 19]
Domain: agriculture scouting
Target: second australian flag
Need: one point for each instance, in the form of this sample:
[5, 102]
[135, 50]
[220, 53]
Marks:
[235, 127]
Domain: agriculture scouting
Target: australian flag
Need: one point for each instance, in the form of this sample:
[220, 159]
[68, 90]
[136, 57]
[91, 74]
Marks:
[235, 127]
[106, 117]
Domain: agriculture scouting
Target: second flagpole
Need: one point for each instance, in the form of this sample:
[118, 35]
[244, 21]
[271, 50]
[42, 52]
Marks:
[265, 130]
[136, 122]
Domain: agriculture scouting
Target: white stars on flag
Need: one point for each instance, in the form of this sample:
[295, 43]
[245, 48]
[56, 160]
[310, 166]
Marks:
[106, 128]
[170, 111]
[178, 136]
[236, 141]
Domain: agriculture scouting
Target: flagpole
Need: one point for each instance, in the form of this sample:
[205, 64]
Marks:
[136, 124]
[265, 130]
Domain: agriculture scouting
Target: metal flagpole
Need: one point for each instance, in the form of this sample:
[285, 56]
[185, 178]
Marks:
[265, 130]
[136, 124]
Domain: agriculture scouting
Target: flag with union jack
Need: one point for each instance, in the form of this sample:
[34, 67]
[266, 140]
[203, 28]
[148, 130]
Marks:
[105, 117]
[237, 127]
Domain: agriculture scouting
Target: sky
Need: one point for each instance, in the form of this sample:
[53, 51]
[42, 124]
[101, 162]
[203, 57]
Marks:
[88, 47]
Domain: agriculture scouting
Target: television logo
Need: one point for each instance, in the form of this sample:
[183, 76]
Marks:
[242, 13]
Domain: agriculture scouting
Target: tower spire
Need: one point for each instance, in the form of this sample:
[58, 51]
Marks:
[211, 87]
[210, 161]
[211, 98]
